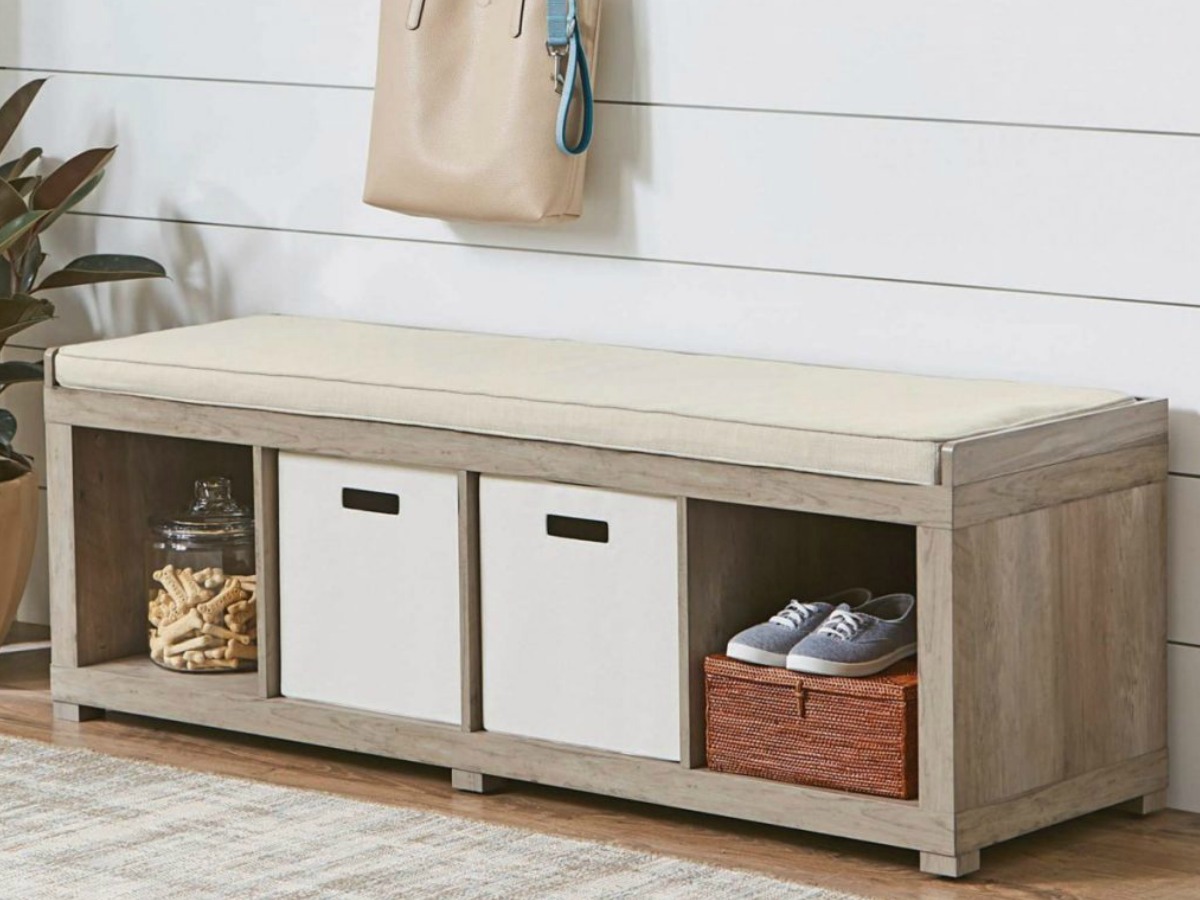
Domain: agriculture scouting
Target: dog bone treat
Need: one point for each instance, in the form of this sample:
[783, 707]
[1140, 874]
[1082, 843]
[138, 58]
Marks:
[213, 664]
[191, 588]
[226, 634]
[240, 615]
[157, 646]
[200, 642]
[212, 578]
[203, 632]
[181, 627]
[159, 606]
[231, 594]
[236, 650]
[170, 581]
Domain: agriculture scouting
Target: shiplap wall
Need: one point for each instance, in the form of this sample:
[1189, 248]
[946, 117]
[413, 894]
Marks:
[998, 188]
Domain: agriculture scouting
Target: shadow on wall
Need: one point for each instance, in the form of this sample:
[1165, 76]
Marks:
[10, 35]
[620, 161]
[199, 289]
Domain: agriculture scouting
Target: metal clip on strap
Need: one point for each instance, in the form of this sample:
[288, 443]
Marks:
[564, 43]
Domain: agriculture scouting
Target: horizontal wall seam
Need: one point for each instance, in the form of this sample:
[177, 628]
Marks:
[650, 104]
[897, 117]
[581, 254]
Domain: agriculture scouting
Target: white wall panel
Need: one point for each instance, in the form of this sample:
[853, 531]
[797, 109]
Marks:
[35, 604]
[1149, 350]
[1184, 725]
[304, 41]
[1099, 63]
[1184, 531]
[1042, 210]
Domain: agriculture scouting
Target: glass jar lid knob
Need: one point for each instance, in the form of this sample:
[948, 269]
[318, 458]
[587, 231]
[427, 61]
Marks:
[214, 497]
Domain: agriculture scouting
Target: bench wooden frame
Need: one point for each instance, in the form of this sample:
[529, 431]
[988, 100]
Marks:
[1038, 562]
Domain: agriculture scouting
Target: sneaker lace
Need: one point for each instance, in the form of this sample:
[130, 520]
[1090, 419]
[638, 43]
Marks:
[794, 614]
[843, 624]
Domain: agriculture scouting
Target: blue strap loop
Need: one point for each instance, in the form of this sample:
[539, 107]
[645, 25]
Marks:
[564, 42]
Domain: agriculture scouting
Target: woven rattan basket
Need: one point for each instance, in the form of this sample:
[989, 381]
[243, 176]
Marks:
[853, 734]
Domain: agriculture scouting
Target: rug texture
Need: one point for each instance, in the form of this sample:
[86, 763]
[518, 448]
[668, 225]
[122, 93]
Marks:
[78, 824]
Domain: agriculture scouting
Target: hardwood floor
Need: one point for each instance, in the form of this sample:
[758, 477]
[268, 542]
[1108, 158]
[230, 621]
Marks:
[1107, 855]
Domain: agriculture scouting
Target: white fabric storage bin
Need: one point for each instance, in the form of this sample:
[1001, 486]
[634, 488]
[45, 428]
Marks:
[369, 587]
[580, 616]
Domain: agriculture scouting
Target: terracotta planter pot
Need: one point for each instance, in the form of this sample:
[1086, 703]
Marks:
[18, 534]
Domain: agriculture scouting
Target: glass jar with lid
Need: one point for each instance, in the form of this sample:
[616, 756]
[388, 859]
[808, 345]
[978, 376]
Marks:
[202, 580]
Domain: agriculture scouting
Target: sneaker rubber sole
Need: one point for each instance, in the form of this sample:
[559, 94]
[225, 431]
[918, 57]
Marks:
[811, 665]
[756, 655]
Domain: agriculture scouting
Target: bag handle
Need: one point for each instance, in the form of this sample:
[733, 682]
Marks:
[416, 9]
[564, 43]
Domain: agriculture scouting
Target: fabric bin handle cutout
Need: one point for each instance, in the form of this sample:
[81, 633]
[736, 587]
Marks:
[571, 528]
[371, 501]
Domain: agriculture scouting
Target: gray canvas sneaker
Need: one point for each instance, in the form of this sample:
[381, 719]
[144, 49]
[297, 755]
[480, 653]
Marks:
[768, 644]
[854, 642]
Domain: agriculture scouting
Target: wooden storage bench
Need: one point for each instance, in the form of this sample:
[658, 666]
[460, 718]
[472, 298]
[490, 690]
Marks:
[1028, 520]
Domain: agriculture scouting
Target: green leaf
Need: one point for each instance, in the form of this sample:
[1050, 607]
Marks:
[16, 168]
[13, 230]
[20, 312]
[11, 204]
[18, 372]
[29, 264]
[70, 203]
[14, 109]
[22, 308]
[6, 286]
[15, 466]
[8, 429]
[106, 267]
[65, 181]
[26, 186]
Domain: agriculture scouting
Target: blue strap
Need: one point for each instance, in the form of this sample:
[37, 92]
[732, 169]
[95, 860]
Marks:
[563, 38]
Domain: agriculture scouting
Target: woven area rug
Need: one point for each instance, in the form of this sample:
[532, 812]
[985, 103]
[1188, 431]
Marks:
[74, 823]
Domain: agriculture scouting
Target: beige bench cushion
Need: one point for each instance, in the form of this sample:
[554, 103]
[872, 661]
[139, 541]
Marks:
[753, 412]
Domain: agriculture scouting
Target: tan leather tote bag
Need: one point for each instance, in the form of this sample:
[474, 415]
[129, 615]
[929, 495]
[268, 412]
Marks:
[483, 108]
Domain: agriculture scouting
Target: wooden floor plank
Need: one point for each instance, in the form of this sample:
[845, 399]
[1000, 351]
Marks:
[1106, 855]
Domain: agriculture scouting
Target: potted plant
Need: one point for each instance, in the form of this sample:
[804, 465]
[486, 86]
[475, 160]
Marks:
[30, 204]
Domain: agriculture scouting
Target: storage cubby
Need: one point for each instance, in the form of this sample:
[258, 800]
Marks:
[120, 480]
[743, 564]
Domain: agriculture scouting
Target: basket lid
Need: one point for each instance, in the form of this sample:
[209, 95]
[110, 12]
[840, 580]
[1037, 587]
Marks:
[898, 682]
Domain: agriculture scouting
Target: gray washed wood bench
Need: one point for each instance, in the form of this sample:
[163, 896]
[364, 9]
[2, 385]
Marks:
[1028, 520]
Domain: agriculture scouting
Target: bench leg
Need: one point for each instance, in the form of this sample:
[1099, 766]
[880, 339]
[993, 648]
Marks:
[73, 712]
[476, 782]
[1146, 804]
[950, 866]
